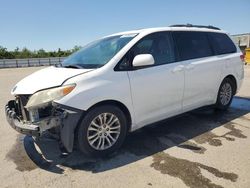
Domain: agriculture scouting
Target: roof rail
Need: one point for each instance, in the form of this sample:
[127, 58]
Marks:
[199, 26]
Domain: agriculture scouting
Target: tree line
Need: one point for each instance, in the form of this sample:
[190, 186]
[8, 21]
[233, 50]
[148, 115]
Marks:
[26, 53]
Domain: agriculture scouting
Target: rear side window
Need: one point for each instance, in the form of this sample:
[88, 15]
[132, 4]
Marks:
[192, 45]
[221, 43]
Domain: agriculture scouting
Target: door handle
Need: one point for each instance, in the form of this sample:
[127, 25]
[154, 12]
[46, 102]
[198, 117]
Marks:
[190, 67]
[178, 68]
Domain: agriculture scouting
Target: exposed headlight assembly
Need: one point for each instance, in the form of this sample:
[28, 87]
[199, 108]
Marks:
[43, 97]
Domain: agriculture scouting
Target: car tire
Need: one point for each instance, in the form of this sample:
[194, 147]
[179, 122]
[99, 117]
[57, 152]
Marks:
[225, 94]
[102, 131]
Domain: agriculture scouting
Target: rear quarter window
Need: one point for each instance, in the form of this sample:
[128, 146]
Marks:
[221, 43]
[192, 45]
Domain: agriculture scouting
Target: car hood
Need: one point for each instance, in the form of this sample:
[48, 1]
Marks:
[45, 78]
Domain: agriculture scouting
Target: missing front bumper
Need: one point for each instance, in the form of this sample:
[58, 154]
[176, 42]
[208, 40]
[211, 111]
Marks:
[66, 120]
[17, 124]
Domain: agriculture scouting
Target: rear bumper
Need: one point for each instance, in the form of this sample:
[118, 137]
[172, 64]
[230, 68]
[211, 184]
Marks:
[15, 123]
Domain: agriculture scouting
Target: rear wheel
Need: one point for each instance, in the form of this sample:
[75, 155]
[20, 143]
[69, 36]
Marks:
[102, 131]
[225, 94]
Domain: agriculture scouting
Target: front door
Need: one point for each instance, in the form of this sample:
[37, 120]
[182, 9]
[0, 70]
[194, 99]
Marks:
[156, 90]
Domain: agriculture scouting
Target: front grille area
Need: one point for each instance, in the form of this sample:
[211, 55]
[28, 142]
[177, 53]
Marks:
[24, 115]
[21, 101]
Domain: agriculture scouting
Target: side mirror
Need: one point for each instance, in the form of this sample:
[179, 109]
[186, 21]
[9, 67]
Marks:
[143, 60]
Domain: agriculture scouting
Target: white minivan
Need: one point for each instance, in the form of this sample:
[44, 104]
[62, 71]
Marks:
[124, 81]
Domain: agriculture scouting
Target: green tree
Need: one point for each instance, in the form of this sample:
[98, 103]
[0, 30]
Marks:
[76, 48]
[4, 54]
[25, 53]
[41, 53]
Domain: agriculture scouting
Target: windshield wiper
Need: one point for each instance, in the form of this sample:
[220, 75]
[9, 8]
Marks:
[58, 64]
[74, 66]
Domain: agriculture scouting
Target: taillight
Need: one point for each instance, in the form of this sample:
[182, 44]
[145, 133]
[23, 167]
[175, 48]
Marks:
[242, 56]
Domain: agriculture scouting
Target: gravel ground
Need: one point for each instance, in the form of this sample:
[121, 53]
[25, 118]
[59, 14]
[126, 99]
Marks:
[202, 148]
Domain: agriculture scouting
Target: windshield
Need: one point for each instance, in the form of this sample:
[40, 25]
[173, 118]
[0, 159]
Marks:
[97, 53]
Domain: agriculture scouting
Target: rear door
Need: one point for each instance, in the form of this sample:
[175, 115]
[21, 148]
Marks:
[202, 69]
[228, 56]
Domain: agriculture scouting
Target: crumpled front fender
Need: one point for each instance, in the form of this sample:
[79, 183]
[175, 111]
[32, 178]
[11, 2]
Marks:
[71, 119]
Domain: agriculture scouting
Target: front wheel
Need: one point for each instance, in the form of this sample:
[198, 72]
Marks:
[225, 94]
[102, 131]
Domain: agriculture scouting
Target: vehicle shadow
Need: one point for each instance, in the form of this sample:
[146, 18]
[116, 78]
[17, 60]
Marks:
[147, 141]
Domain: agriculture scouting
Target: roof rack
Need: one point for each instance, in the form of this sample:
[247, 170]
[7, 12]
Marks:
[199, 26]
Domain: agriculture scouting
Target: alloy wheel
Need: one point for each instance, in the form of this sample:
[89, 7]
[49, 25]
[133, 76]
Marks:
[103, 131]
[225, 94]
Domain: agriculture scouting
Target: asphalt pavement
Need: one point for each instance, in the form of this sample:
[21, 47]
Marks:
[202, 148]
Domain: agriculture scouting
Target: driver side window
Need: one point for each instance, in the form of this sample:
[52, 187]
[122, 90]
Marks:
[159, 45]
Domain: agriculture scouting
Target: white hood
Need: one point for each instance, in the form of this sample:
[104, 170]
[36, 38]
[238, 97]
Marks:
[45, 78]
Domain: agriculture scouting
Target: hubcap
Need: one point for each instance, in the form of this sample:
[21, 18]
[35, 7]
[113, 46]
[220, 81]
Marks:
[103, 131]
[225, 94]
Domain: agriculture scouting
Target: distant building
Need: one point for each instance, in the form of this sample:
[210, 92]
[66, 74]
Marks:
[242, 40]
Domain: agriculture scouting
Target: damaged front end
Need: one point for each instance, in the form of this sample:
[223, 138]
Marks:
[35, 121]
